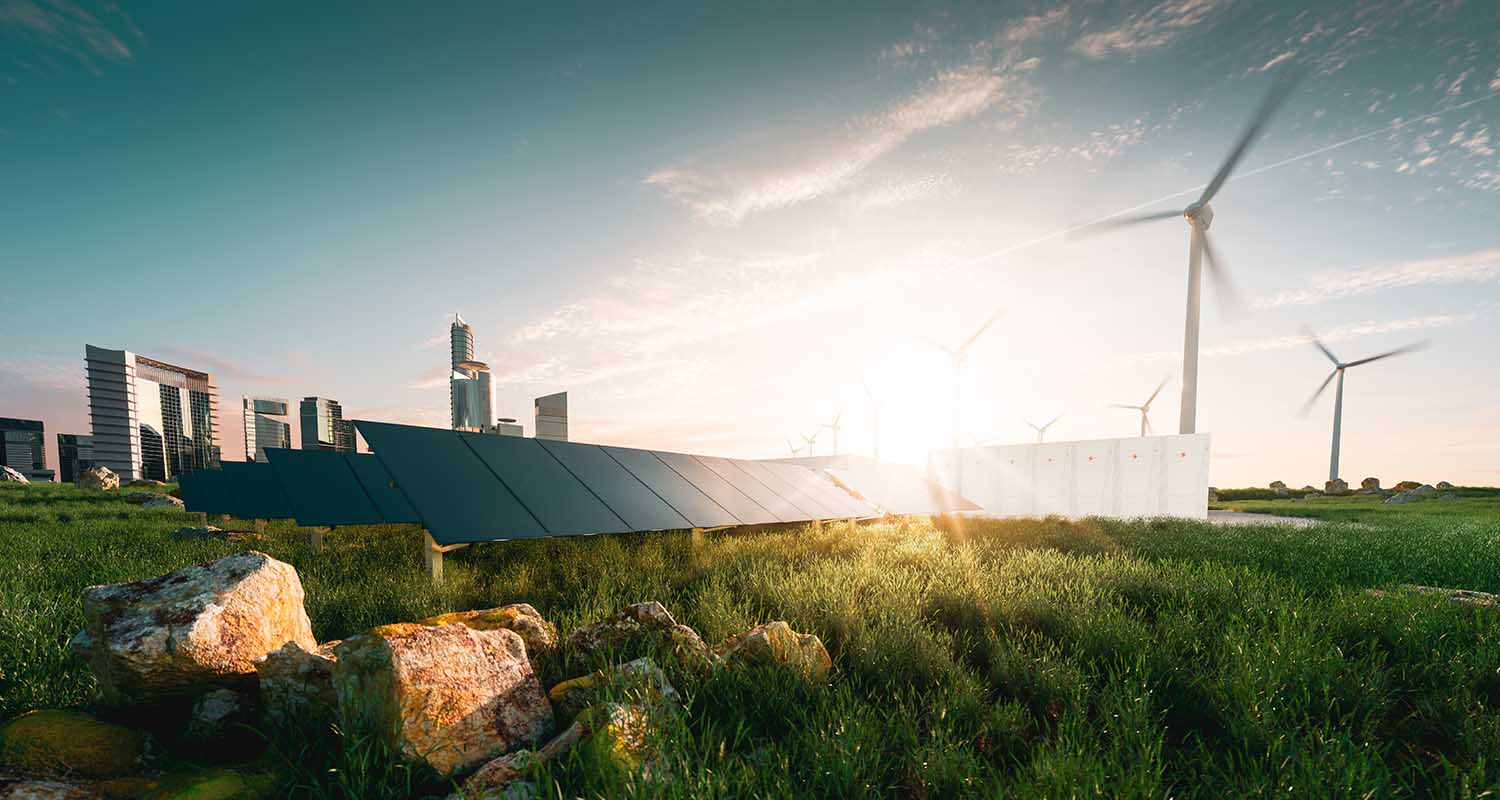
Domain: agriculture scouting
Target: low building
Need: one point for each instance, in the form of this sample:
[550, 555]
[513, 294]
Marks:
[23, 448]
[75, 453]
[265, 426]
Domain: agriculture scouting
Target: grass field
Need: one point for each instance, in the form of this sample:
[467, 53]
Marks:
[992, 658]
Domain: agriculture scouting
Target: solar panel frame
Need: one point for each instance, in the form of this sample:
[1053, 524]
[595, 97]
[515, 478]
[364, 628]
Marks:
[392, 505]
[752, 487]
[458, 499]
[544, 486]
[321, 488]
[687, 499]
[256, 492]
[721, 491]
[810, 507]
[632, 501]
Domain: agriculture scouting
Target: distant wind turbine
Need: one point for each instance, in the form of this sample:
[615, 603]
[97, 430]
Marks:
[835, 426]
[959, 355]
[1144, 408]
[1041, 431]
[1338, 395]
[811, 442]
[1199, 215]
[794, 448]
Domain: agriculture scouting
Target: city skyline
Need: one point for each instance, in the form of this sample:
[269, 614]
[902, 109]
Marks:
[712, 250]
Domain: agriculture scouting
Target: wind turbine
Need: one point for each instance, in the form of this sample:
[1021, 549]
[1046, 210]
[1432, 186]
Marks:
[811, 449]
[875, 414]
[1144, 408]
[1199, 215]
[835, 426]
[1338, 395]
[792, 447]
[959, 354]
[1042, 431]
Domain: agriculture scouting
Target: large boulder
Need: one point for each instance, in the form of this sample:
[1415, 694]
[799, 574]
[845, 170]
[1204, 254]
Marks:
[448, 695]
[1405, 486]
[1445, 486]
[296, 685]
[71, 742]
[101, 478]
[775, 643]
[9, 474]
[1279, 488]
[192, 630]
[640, 679]
[1425, 491]
[1337, 486]
[647, 622]
[1369, 486]
[163, 501]
[540, 635]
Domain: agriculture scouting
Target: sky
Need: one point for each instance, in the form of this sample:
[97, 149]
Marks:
[717, 227]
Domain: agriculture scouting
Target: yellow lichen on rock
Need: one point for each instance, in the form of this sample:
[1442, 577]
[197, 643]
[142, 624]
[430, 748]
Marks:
[69, 741]
[522, 618]
[777, 643]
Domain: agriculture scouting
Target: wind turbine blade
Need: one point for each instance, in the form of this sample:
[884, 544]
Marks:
[982, 328]
[1054, 419]
[1229, 297]
[1122, 221]
[1317, 342]
[1280, 91]
[934, 343]
[1159, 387]
[1411, 348]
[1122, 405]
[1319, 393]
[1033, 425]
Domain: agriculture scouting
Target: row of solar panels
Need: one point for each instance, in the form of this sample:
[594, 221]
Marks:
[466, 487]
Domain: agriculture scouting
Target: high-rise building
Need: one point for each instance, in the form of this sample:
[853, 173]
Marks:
[344, 437]
[75, 453]
[323, 425]
[150, 419]
[552, 417]
[470, 395]
[265, 426]
[22, 448]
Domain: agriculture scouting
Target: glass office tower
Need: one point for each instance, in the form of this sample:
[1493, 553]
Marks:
[22, 448]
[75, 453]
[150, 419]
[552, 417]
[265, 426]
[323, 426]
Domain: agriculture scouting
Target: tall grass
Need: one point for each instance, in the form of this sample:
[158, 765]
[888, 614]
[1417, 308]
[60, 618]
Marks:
[1030, 658]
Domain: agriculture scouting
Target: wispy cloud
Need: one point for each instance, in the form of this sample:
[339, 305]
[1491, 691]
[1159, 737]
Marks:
[1333, 335]
[1155, 27]
[1478, 267]
[43, 374]
[898, 192]
[63, 27]
[727, 198]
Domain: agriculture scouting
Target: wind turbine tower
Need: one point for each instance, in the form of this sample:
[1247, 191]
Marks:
[1338, 395]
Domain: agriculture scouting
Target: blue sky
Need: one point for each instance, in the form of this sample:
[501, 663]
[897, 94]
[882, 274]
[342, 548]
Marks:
[713, 226]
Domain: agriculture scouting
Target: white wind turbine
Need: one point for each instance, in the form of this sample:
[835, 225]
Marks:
[1338, 395]
[793, 448]
[959, 355]
[835, 426]
[1144, 408]
[1199, 215]
[811, 442]
[1041, 431]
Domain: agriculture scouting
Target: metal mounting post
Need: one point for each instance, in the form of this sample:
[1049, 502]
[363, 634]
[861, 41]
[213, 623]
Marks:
[315, 536]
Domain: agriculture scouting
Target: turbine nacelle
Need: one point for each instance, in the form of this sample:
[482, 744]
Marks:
[1199, 215]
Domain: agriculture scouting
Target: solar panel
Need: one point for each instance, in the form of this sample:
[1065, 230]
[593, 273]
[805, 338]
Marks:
[321, 488]
[901, 490]
[733, 500]
[456, 495]
[544, 486]
[381, 489]
[630, 499]
[820, 489]
[255, 491]
[203, 491]
[689, 501]
[810, 508]
[782, 508]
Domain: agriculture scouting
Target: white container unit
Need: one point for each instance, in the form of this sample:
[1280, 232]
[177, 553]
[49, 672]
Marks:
[1143, 476]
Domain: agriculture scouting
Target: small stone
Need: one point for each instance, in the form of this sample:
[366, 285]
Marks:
[49, 789]
[496, 774]
[1337, 486]
[648, 621]
[1424, 491]
[1369, 486]
[1445, 486]
[163, 501]
[1406, 486]
[218, 716]
[100, 478]
[540, 635]
[62, 741]
[9, 474]
[1448, 496]
[777, 643]
[642, 679]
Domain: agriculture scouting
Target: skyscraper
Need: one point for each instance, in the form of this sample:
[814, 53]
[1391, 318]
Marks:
[265, 426]
[470, 395]
[552, 417]
[22, 449]
[150, 419]
[323, 426]
[75, 453]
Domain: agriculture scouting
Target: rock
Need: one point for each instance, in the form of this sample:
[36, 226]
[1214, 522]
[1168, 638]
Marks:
[296, 686]
[191, 631]
[641, 679]
[151, 498]
[218, 716]
[1424, 491]
[540, 635]
[101, 478]
[1445, 486]
[1448, 496]
[1337, 486]
[163, 501]
[450, 695]
[1403, 497]
[776, 643]
[1213, 495]
[244, 782]
[648, 621]
[9, 474]
[19, 788]
[1310, 489]
[1369, 486]
[496, 774]
[207, 532]
[1279, 488]
[58, 741]
[1406, 486]
[146, 482]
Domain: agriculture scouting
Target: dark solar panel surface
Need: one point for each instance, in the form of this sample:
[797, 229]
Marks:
[544, 486]
[809, 508]
[255, 491]
[321, 488]
[744, 509]
[378, 486]
[780, 507]
[633, 501]
[689, 501]
[821, 489]
[204, 490]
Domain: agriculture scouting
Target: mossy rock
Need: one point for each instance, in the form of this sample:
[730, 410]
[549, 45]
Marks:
[194, 783]
[56, 740]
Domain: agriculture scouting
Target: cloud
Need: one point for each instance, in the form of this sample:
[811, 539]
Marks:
[1341, 333]
[951, 97]
[900, 192]
[1033, 27]
[219, 367]
[1156, 27]
[1481, 266]
[43, 374]
[63, 27]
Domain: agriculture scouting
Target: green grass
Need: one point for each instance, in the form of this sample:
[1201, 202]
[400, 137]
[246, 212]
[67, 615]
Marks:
[1025, 658]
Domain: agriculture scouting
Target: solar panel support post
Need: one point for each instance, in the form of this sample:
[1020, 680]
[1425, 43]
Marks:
[260, 525]
[432, 555]
[203, 519]
[315, 536]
